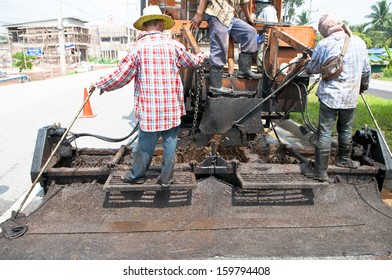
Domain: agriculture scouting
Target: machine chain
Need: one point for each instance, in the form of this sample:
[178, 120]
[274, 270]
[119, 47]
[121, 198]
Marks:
[199, 89]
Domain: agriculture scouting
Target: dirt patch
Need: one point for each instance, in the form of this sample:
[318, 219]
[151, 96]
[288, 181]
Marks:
[199, 154]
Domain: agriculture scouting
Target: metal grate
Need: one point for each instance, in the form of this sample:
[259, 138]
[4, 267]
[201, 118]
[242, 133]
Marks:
[182, 180]
[276, 180]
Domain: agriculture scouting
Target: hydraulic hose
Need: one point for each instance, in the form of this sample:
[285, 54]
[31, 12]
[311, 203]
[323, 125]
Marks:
[104, 138]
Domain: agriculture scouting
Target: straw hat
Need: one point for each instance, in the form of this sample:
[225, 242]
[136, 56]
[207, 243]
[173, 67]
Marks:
[151, 13]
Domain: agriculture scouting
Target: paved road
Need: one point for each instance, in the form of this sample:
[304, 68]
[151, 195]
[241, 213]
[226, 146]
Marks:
[380, 88]
[24, 108]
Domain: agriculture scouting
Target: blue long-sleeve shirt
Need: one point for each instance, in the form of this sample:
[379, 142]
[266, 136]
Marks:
[342, 92]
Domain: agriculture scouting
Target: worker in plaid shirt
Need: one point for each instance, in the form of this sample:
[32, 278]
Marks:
[338, 97]
[154, 61]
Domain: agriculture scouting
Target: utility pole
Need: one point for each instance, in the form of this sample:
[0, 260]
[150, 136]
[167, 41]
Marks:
[311, 11]
[63, 63]
[128, 24]
[130, 15]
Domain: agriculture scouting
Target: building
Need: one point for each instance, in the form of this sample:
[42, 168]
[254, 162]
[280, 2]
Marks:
[106, 42]
[5, 58]
[110, 41]
[41, 38]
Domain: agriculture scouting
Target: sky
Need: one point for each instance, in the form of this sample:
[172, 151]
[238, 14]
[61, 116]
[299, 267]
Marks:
[353, 11]
[127, 11]
[94, 11]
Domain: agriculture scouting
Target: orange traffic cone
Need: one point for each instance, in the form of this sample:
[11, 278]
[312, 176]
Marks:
[87, 112]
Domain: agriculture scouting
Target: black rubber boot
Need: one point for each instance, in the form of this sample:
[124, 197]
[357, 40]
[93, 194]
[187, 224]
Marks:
[244, 64]
[307, 170]
[321, 164]
[344, 157]
[216, 82]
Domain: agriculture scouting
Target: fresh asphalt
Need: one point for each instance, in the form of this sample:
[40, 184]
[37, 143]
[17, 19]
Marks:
[27, 107]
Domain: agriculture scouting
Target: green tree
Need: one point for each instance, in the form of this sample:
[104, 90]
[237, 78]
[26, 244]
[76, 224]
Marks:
[23, 61]
[380, 16]
[387, 58]
[290, 7]
[368, 41]
[303, 18]
[359, 28]
[377, 37]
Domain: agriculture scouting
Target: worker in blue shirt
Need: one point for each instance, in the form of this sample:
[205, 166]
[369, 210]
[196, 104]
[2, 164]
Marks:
[338, 97]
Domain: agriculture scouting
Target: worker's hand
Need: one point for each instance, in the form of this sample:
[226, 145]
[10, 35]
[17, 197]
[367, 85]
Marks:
[92, 88]
[195, 22]
[251, 21]
[204, 59]
[202, 55]
[363, 88]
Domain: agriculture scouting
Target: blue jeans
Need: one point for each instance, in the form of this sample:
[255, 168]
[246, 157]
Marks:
[327, 118]
[144, 152]
[243, 34]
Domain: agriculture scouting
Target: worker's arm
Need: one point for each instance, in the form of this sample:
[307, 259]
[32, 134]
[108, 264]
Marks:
[122, 75]
[245, 9]
[365, 77]
[197, 19]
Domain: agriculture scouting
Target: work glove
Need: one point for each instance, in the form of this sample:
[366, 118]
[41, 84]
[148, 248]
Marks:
[363, 87]
[91, 88]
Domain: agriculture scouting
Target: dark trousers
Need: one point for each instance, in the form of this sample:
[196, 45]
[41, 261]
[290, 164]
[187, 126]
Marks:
[243, 34]
[327, 117]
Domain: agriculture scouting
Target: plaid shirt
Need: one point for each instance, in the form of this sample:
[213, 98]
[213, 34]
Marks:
[224, 10]
[154, 62]
[342, 92]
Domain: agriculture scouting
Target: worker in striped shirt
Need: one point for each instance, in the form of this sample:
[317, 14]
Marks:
[154, 61]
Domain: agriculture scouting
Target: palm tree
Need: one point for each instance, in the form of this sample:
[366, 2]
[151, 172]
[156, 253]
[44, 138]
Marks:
[380, 16]
[303, 18]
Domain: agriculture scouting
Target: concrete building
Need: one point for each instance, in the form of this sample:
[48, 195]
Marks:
[41, 38]
[110, 41]
[5, 58]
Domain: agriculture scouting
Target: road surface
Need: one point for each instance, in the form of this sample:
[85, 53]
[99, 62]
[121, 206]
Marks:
[380, 88]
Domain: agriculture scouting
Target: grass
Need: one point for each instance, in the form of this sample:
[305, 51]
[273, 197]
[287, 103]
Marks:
[381, 109]
[389, 79]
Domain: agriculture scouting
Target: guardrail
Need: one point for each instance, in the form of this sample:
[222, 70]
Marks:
[23, 78]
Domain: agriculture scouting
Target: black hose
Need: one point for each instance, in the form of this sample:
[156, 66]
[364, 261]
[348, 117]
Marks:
[301, 103]
[107, 139]
[312, 127]
[305, 115]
